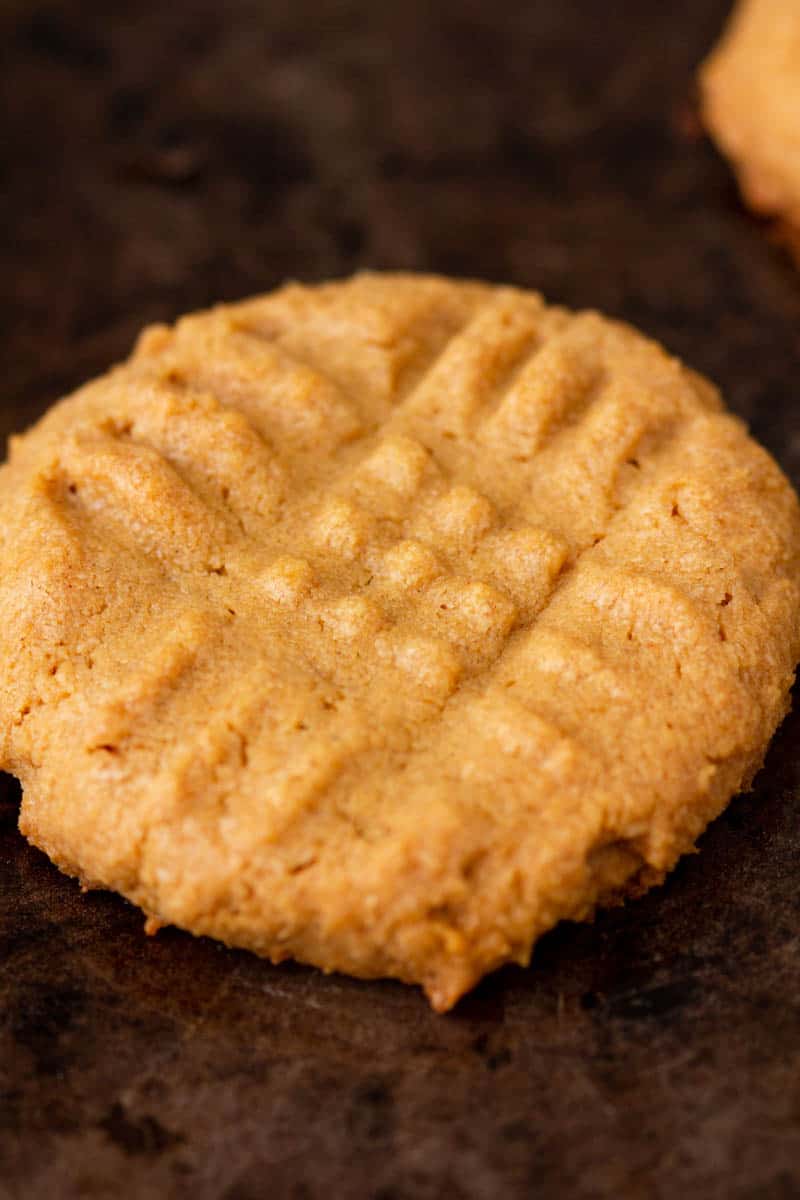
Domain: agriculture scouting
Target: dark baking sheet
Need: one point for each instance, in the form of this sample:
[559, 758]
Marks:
[162, 156]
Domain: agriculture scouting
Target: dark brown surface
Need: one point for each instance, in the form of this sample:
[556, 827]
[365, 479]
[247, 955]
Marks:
[163, 155]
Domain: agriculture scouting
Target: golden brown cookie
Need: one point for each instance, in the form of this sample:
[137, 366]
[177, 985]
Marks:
[751, 103]
[383, 624]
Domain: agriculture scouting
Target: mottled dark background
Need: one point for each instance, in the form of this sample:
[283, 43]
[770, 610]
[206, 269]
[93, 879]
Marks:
[159, 156]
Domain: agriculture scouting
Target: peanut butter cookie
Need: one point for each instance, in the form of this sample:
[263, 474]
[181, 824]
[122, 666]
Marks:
[384, 623]
[751, 103]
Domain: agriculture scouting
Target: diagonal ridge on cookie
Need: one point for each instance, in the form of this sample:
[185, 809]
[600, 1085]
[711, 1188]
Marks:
[382, 624]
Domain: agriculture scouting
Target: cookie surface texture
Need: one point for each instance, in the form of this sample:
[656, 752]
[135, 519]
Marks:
[751, 103]
[382, 624]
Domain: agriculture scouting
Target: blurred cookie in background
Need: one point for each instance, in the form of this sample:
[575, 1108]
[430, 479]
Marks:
[750, 86]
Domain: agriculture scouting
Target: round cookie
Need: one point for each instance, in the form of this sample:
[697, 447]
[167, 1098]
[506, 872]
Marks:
[384, 623]
[751, 103]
